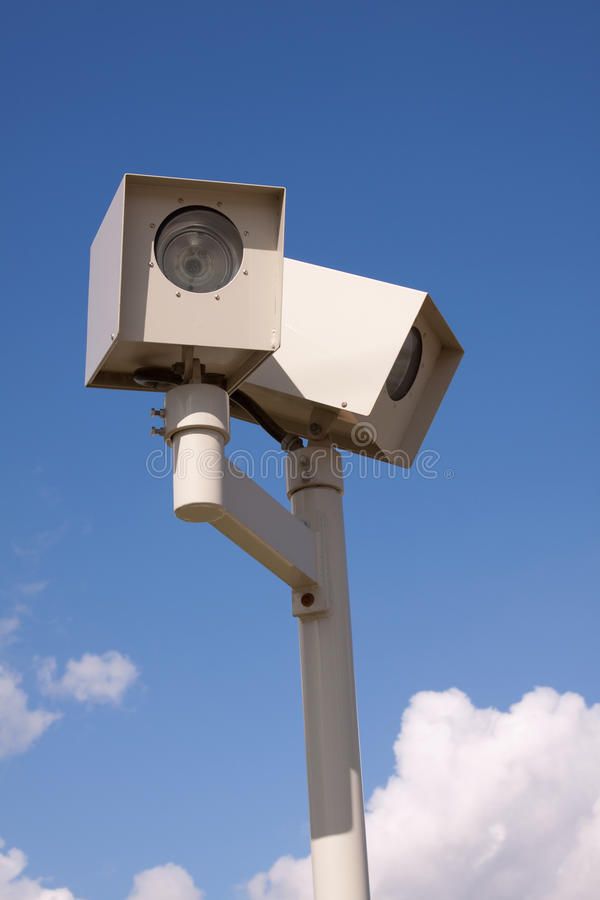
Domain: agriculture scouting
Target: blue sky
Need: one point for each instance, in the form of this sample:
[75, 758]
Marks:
[448, 147]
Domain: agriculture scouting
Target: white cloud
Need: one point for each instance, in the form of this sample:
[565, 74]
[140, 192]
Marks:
[92, 679]
[19, 725]
[16, 886]
[169, 881]
[482, 803]
[287, 879]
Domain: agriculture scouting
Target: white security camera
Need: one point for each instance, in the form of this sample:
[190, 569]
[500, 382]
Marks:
[187, 264]
[362, 363]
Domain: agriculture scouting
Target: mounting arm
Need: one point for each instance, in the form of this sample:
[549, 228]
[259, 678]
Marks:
[208, 488]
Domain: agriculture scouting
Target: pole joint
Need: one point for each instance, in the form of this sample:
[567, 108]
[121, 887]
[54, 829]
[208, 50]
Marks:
[311, 471]
[317, 466]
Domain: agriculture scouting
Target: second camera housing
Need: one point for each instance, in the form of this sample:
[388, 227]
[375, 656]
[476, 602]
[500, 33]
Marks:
[362, 363]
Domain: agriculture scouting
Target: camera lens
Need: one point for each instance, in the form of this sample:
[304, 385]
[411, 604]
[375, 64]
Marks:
[198, 249]
[405, 369]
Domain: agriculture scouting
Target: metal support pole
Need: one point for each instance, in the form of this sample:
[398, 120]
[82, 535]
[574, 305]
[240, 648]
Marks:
[338, 845]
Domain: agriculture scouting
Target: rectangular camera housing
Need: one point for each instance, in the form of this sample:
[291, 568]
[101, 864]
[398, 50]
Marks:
[137, 318]
[341, 335]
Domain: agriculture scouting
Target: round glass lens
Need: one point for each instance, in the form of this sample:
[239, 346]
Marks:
[198, 249]
[404, 371]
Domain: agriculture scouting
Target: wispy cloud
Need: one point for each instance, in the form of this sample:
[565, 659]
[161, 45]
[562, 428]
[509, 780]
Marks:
[50, 494]
[31, 588]
[19, 725]
[92, 679]
[33, 547]
[9, 625]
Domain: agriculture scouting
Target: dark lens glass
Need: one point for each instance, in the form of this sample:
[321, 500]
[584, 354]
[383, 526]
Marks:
[405, 369]
[199, 249]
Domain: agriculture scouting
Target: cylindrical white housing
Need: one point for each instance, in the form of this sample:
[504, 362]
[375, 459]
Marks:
[197, 425]
[198, 475]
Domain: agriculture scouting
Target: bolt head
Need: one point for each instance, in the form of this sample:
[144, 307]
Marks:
[307, 600]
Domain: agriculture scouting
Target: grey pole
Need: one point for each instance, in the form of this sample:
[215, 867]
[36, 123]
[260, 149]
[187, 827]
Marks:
[338, 845]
